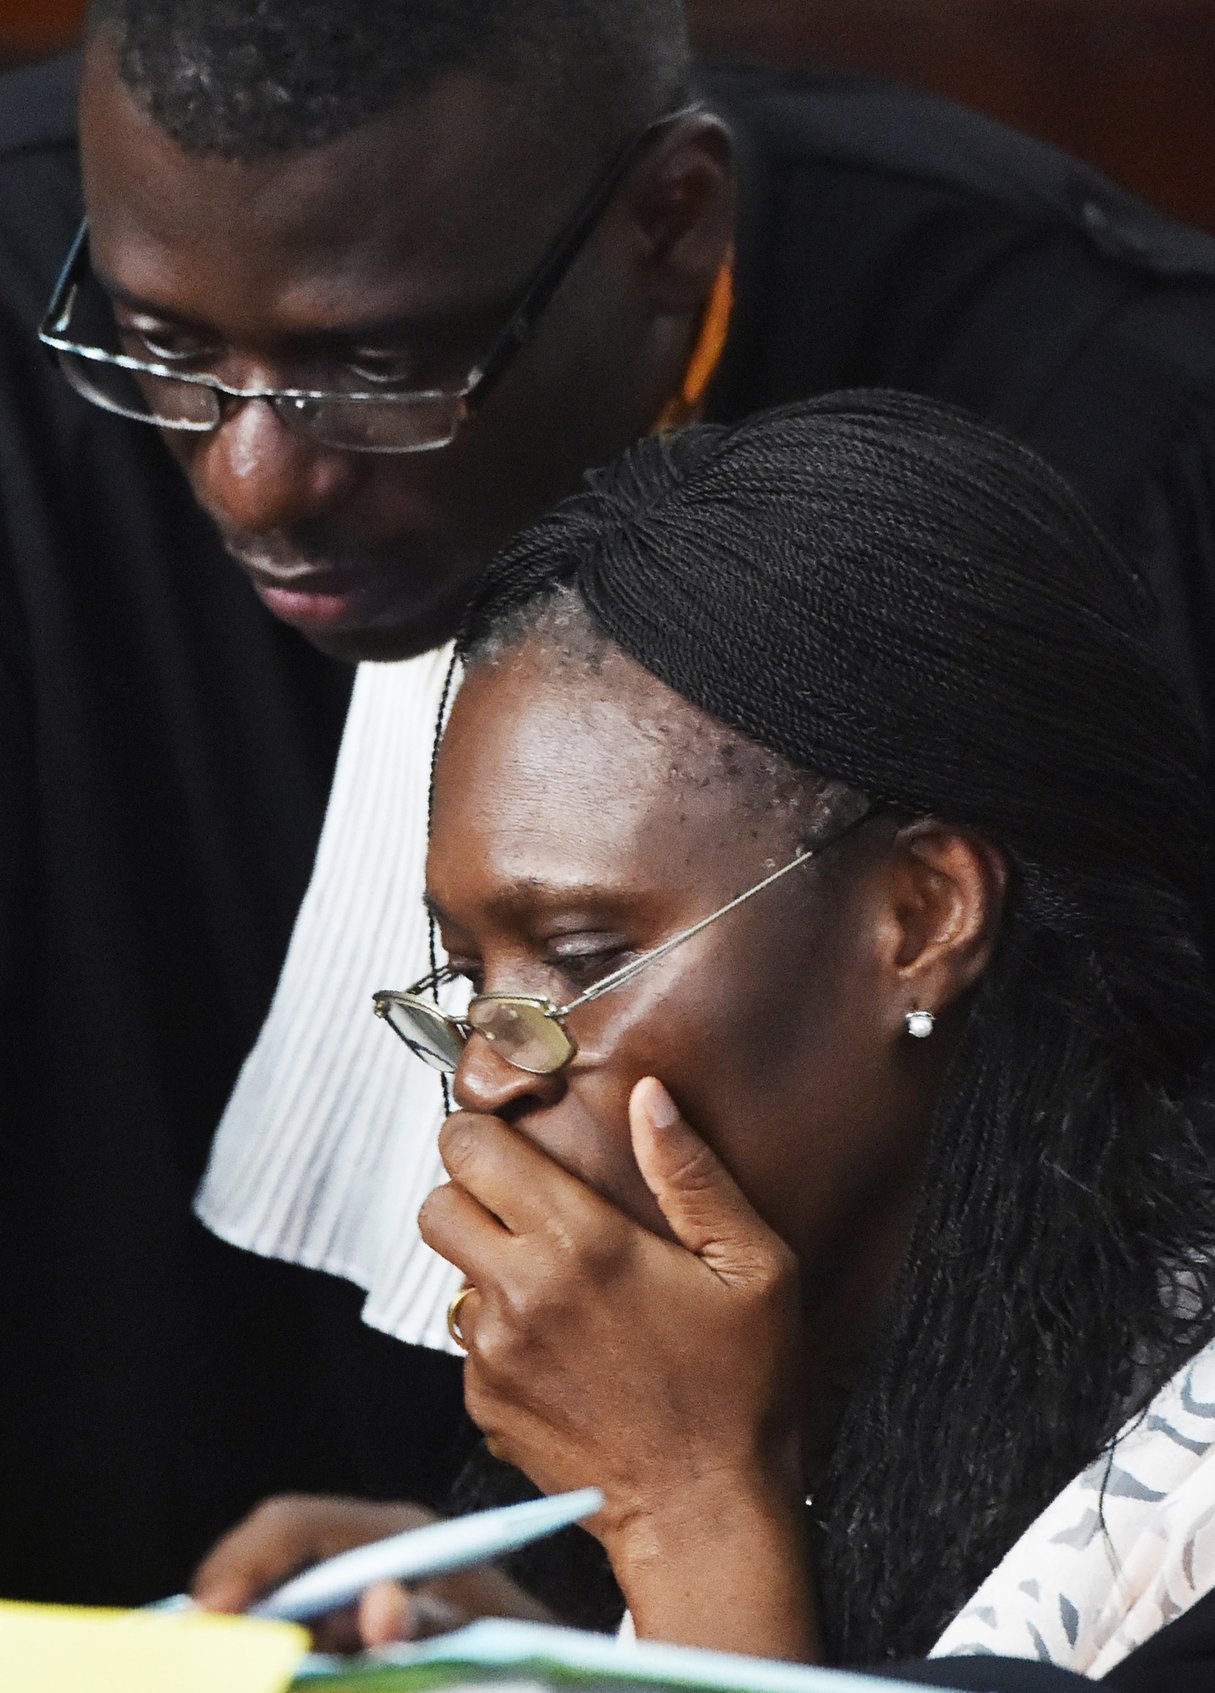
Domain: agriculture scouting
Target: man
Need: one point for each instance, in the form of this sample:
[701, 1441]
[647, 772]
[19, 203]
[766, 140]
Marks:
[165, 751]
[341, 200]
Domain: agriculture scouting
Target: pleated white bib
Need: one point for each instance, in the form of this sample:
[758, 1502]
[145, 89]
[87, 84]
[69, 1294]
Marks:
[327, 1147]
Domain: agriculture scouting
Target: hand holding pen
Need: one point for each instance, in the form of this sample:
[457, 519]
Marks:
[446, 1561]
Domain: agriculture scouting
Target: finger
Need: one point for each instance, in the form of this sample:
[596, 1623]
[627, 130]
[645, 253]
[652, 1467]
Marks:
[389, 1612]
[384, 1614]
[275, 1541]
[460, 1229]
[704, 1206]
[286, 1534]
[511, 1176]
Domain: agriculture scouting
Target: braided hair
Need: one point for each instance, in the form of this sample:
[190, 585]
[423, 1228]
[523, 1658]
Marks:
[888, 593]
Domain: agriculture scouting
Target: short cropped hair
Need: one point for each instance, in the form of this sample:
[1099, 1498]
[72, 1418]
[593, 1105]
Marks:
[243, 80]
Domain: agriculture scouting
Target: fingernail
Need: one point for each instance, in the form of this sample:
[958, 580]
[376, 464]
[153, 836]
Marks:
[659, 1107]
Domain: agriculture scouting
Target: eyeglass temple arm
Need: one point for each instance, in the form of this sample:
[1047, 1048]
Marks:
[552, 272]
[69, 273]
[626, 971]
[622, 975]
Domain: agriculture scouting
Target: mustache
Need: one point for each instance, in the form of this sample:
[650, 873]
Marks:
[284, 556]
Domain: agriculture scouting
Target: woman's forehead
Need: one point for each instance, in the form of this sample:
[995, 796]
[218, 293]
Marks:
[548, 772]
[529, 717]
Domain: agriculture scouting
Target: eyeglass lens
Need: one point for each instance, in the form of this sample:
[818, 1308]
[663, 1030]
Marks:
[426, 1032]
[371, 424]
[147, 398]
[522, 1034]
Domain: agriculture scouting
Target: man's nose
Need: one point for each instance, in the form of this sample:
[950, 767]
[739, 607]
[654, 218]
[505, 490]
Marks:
[254, 475]
[485, 1082]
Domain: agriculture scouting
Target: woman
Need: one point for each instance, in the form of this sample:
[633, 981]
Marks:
[827, 859]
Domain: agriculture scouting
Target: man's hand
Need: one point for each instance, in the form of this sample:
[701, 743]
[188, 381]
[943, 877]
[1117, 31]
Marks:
[288, 1534]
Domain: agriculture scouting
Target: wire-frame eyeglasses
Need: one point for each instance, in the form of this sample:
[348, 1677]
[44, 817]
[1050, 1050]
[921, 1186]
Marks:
[528, 1030]
[419, 420]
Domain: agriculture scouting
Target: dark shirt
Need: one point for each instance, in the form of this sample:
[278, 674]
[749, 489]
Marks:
[165, 750]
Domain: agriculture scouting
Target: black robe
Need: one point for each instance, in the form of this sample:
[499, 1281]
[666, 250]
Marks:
[165, 754]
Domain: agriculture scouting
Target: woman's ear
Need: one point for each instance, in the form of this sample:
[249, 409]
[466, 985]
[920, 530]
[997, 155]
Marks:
[945, 896]
[680, 211]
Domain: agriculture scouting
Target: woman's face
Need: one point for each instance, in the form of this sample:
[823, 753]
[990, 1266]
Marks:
[577, 821]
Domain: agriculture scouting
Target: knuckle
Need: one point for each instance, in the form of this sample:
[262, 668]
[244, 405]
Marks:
[580, 1248]
[498, 1341]
[529, 1306]
[457, 1142]
[433, 1212]
[777, 1275]
[698, 1171]
[606, 1251]
[284, 1510]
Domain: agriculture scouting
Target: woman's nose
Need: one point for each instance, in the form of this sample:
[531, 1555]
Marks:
[255, 476]
[484, 1081]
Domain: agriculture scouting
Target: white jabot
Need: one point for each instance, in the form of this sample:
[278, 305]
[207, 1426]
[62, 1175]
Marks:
[327, 1147]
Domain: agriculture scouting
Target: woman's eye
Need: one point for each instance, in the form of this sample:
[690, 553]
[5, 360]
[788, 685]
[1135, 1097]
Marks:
[577, 966]
[584, 966]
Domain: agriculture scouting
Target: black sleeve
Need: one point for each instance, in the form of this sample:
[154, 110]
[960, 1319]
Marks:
[1180, 1659]
[1131, 421]
[986, 1675]
[18, 860]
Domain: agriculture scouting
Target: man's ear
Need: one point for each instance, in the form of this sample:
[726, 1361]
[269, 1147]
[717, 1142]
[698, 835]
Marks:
[945, 895]
[677, 214]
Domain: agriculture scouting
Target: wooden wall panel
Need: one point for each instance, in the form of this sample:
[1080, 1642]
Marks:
[1128, 84]
[30, 29]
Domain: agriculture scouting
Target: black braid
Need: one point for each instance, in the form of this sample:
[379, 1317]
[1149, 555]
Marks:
[890, 594]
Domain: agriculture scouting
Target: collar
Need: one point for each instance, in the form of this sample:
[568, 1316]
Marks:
[686, 405]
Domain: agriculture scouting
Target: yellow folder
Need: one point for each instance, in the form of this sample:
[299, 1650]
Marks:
[63, 1649]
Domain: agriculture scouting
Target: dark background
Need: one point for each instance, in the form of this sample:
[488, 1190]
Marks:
[1127, 84]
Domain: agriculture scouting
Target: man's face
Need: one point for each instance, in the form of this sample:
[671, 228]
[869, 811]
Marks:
[396, 251]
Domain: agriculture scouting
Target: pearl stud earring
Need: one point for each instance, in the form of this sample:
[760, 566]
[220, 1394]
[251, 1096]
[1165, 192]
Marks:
[920, 1024]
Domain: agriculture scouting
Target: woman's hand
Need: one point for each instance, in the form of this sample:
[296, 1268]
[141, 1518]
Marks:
[662, 1371]
[288, 1534]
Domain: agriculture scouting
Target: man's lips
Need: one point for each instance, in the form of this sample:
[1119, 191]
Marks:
[328, 599]
[309, 610]
[328, 589]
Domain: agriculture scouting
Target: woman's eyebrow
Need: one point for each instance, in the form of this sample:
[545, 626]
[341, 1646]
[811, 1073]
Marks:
[522, 897]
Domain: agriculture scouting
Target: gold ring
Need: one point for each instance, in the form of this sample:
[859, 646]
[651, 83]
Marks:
[453, 1317]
